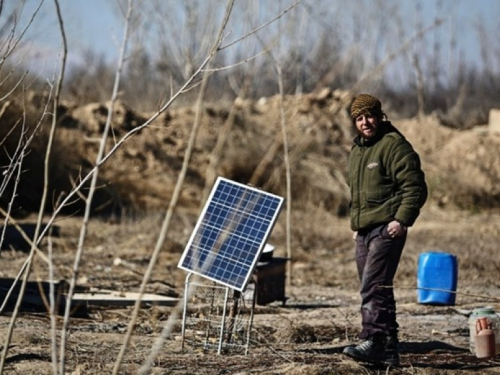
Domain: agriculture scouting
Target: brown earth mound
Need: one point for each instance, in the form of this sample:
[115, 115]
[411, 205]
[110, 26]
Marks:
[245, 142]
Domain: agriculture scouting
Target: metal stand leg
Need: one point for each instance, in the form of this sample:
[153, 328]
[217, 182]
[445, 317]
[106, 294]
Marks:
[233, 312]
[223, 322]
[184, 312]
[250, 322]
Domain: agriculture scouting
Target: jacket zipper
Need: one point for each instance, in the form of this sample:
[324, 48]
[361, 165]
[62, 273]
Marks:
[362, 154]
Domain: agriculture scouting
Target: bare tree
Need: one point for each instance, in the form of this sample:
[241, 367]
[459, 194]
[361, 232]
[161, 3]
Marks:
[88, 201]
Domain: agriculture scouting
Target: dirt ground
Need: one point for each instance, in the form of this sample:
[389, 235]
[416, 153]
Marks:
[305, 335]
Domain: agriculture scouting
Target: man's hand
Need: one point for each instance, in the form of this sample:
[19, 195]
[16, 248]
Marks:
[354, 235]
[395, 229]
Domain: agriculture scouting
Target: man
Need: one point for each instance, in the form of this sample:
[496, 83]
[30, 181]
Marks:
[388, 190]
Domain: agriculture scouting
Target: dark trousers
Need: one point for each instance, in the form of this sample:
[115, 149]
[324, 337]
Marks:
[377, 259]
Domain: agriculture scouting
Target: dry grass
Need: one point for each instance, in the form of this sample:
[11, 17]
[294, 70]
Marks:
[306, 336]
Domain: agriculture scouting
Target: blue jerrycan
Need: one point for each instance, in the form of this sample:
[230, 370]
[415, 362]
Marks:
[437, 278]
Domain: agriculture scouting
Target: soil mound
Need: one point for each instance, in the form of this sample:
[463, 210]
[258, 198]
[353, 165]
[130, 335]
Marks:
[245, 141]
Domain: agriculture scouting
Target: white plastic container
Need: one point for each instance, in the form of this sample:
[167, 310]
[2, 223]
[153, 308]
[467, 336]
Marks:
[494, 318]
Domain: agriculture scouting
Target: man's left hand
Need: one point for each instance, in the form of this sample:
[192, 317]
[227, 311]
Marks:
[396, 229]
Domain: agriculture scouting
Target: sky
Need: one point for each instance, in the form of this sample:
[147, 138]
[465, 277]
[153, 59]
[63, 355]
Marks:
[97, 25]
[89, 25]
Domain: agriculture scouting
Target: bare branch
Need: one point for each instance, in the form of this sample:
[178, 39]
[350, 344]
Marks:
[170, 212]
[88, 202]
[16, 42]
[262, 26]
[243, 61]
[393, 55]
[30, 257]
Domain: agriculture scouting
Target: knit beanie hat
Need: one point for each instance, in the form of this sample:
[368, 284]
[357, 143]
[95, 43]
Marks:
[366, 104]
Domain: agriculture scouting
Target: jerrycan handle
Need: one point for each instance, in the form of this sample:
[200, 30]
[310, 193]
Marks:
[482, 323]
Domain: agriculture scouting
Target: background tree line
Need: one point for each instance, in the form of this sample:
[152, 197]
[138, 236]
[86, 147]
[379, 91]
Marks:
[411, 56]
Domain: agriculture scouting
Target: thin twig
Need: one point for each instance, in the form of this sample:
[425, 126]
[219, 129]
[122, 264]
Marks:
[24, 235]
[119, 144]
[215, 155]
[262, 26]
[21, 35]
[441, 290]
[29, 260]
[286, 157]
[46, 184]
[242, 61]
[92, 189]
[394, 54]
[173, 203]
[288, 180]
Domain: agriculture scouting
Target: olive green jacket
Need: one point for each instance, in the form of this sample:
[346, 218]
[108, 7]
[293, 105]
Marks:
[385, 179]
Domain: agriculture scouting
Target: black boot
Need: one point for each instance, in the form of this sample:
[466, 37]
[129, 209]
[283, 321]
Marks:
[371, 350]
[392, 351]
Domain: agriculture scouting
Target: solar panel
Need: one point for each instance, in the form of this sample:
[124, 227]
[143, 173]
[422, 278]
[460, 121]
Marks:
[230, 233]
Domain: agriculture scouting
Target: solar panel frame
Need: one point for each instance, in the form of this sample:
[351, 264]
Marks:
[231, 233]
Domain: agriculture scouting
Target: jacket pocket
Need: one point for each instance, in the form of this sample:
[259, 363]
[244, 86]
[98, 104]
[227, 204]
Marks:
[377, 197]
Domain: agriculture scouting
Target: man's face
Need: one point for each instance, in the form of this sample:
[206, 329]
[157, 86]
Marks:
[367, 125]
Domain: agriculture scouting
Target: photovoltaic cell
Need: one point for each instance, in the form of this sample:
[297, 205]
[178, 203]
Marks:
[230, 233]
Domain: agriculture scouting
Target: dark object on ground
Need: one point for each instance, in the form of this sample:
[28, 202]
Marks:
[14, 239]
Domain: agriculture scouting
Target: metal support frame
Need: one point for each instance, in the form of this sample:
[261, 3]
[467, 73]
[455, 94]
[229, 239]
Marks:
[224, 316]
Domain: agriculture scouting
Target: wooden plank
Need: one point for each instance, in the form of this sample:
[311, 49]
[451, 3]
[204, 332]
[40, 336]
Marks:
[122, 299]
